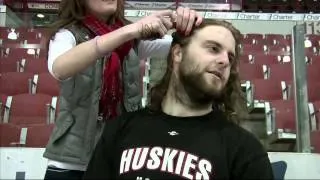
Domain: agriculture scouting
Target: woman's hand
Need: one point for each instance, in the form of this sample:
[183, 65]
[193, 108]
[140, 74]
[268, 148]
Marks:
[185, 19]
[155, 25]
[159, 23]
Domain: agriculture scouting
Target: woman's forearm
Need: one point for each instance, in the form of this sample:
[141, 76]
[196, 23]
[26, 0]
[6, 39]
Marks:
[85, 54]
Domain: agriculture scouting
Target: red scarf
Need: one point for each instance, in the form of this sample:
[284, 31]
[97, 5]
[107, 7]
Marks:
[112, 90]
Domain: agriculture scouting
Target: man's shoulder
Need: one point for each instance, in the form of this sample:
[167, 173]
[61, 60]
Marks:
[241, 137]
[135, 115]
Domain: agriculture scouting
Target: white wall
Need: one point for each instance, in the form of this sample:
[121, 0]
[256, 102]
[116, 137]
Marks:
[30, 160]
[256, 26]
[264, 27]
[3, 10]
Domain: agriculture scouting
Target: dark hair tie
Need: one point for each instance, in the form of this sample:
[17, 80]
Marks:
[177, 37]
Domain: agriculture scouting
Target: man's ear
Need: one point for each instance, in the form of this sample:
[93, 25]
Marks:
[177, 53]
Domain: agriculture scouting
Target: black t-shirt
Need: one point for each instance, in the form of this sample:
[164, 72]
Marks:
[146, 145]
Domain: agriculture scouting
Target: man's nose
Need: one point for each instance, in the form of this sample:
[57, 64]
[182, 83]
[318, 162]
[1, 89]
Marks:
[223, 58]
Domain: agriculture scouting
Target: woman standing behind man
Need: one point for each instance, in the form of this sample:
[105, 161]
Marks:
[94, 53]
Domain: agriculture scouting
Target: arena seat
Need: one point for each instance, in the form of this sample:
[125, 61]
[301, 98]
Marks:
[314, 58]
[253, 48]
[313, 91]
[3, 100]
[313, 72]
[13, 83]
[280, 120]
[283, 72]
[251, 71]
[31, 38]
[245, 58]
[251, 5]
[312, 5]
[315, 141]
[247, 41]
[27, 109]
[315, 40]
[278, 49]
[314, 114]
[35, 66]
[310, 51]
[254, 36]
[264, 59]
[37, 136]
[44, 83]
[20, 53]
[9, 135]
[273, 39]
[261, 90]
[8, 66]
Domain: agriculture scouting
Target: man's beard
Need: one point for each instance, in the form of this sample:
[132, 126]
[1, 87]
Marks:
[191, 88]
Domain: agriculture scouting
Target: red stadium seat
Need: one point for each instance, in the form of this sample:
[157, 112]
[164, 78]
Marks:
[273, 39]
[253, 49]
[263, 59]
[13, 83]
[315, 40]
[310, 51]
[313, 72]
[251, 71]
[251, 5]
[254, 36]
[280, 120]
[9, 135]
[282, 72]
[313, 91]
[278, 50]
[246, 59]
[266, 89]
[27, 109]
[314, 58]
[46, 84]
[314, 110]
[31, 38]
[38, 135]
[3, 100]
[247, 41]
[35, 66]
[20, 53]
[315, 141]
[312, 5]
[8, 66]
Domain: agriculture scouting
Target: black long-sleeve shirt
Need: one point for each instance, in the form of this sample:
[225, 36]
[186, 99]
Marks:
[146, 145]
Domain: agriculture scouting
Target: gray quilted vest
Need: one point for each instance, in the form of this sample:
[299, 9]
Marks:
[78, 127]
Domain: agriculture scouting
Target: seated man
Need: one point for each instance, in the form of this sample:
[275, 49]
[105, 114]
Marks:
[189, 130]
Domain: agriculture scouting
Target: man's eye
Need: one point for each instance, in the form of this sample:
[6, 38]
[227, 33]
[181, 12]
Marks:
[214, 49]
[231, 58]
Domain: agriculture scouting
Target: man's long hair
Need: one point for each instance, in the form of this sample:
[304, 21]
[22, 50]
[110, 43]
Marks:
[74, 11]
[232, 101]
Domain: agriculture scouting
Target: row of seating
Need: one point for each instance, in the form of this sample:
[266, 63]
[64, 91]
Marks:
[258, 90]
[35, 66]
[281, 6]
[21, 35]
[280, 119]
[272, 39]
[315, 143]
[36, 136]
[268, 59]
[13, 83]
[18, 53]
[28, 109]
[283, 72]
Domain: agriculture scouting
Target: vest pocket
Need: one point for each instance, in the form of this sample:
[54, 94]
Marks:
[63, 128]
